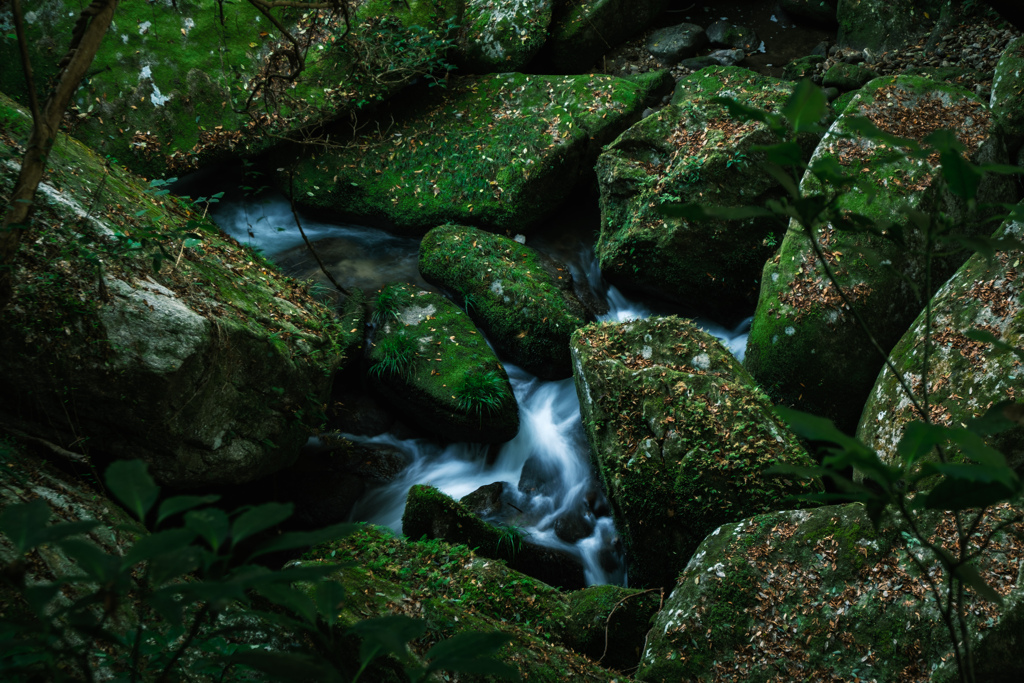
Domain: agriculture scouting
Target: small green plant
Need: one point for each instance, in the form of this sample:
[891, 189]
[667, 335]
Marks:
[510, 540]
[482, 393]
[398, 354]
[386, 306]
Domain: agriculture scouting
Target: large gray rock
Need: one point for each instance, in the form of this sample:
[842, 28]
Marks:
[884, 24]
[726, 34]
[965, 377]
[673, 43]
[210, 367]
[680, 436]
[805, 348]
[690, 151]
[819, 595]
[582, 31]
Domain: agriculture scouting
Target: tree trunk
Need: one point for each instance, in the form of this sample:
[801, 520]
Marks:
[92, 25]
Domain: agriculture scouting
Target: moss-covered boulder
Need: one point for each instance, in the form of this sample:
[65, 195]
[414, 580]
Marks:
[556, 636]
[583, 31]
[884, 24]
[844, 77]
[498, 151]
[432, 364]
[804, 347]
[523, 301]
[178, 84]
[690, 151]
[681, 437]
[966, 377]
[432, 514]
[505, 35]
[802, 67]
[138, 330]
[1007, 99]
[820, 595]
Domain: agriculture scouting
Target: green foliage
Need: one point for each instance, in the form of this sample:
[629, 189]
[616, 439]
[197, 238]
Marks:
[482, 393]
[398, 353]
[386, 306]
[190, 591]
[949, 471]
[510, 541]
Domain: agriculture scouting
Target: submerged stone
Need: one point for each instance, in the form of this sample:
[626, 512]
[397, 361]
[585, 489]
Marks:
[521, 300]
[681, 437]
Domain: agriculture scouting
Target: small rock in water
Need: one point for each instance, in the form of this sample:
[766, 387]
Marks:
[520, 238]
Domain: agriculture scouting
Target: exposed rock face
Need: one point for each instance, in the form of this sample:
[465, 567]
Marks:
[966, 377]
[884, 24]
[805, 348]
[430, 362]
[845, 76]
[583, 31]
[524, 303]
[1007, 100]
[681, 437]
[725, 34]
[673, 43]
[820, 595]
[690, 151]
[209, 365]
[498, 151]
[503, 36]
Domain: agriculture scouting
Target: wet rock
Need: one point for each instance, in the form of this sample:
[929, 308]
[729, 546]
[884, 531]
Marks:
[430, 513]
[801, 333]
[598, 503]
[522, 301]
[539, 477]
[678, 42]
[500, 151]
[1007, 100]
[818, 12]
[609, 623]
[966, 377]
[823, 575]
[574, 525]
[582, 32]
[681, 437]
[360, 414]
[728, 57]
[844, 76]
[690, 151]
[698, 63]
[725, 34]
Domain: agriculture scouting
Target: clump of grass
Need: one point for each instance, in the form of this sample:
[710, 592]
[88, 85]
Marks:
[386, 306]
[397, 356]
[482, 392]
[511, 539]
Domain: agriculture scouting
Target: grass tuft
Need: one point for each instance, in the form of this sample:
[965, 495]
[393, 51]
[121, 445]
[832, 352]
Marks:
[398, 356]
[386, 306]
[482, 392]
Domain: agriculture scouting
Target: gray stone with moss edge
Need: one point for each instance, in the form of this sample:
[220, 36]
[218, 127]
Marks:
[523, 302]
[449, 349]
[211, 368]
[966, 377]
[499, 152]
[680, 436]
[804, 348]
[691, 151]
[1007, 100]
[847, 77]
[817, 595]
[884, 24]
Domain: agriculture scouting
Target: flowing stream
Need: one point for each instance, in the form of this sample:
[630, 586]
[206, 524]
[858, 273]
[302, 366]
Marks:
[550, 449]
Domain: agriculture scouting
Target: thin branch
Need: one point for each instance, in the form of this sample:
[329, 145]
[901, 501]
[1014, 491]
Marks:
[26, 63]
[295, 213]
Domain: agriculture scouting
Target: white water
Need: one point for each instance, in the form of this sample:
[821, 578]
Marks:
[550, 426]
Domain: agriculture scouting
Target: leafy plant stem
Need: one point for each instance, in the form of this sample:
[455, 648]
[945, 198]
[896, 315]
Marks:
[193, 631]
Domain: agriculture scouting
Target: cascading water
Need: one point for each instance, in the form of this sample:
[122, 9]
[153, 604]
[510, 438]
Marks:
[546, 468]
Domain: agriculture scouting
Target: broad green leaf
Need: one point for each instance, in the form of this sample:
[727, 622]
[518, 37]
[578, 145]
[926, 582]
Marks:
[94, 562]
[212, 524]
[291, 599]
[303, 539]
[39, 596]
[989, 338]
[969, 575]
[59, 532]
[173, 506]
[962, 177]
[471, 652]
[25, 524]
[975, 448]
[329, 597]
[999, 418]
[156, 545]
[387, 635]
[257, 519]
[287, 666]
[741, 111]
[174, 564]
[783, 178]
[782, 154]
[965, 486]
[131, 484]
[919, 439]
[806, 107]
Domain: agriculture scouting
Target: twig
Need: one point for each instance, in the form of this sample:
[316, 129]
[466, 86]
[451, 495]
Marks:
[295, 213]
[608, 621]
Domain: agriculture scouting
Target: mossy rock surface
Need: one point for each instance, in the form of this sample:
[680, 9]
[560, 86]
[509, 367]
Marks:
[1008, 95]
[505, 35]
[680, 436]
[583, 31]
[818, 595]
[966, 377]
[691, 151]
[211, 367]
[456, 591]
[884, 24]
[847, 76]
[804, 347]
[433, 514]
[430, 362]
[169, 86]
[802, 67]
[499, 152]
[523, 302]
[609, 623]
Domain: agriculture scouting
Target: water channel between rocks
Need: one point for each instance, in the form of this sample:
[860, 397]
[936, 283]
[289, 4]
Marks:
[550, 445]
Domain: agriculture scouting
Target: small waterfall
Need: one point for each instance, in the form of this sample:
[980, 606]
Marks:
[551, 446]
